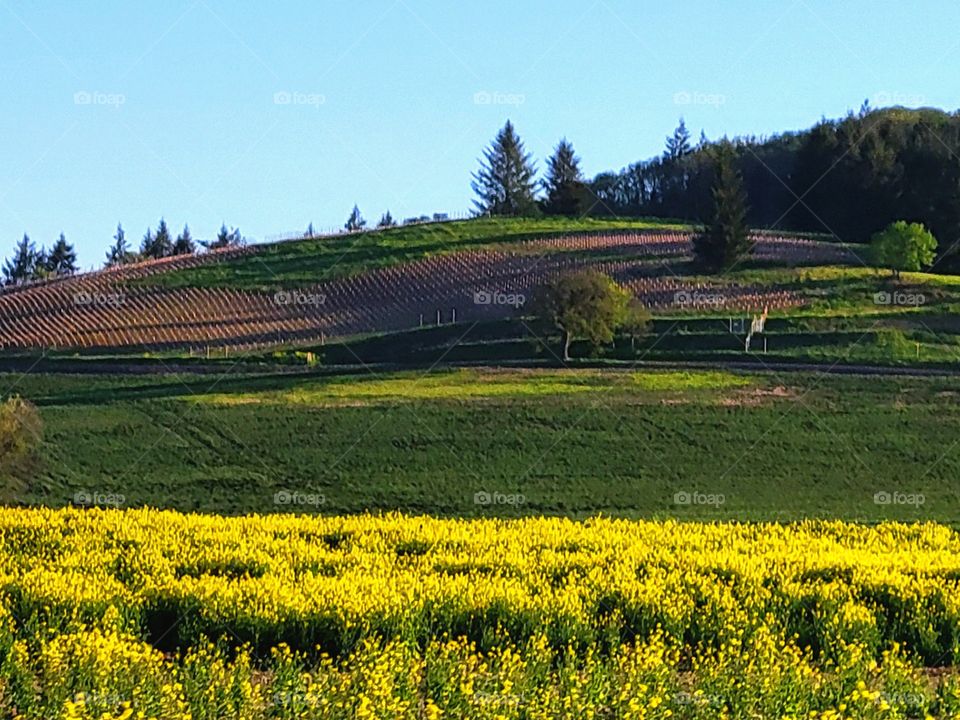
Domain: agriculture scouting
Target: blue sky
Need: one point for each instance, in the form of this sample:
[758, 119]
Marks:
[273, 115]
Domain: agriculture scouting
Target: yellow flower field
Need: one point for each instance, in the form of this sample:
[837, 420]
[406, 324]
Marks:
[142, 613]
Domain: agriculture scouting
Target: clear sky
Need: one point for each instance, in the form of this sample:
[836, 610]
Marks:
[271, 115]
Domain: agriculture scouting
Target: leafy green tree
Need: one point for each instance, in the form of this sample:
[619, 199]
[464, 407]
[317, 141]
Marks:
[355, 221]
[21, 432]
[23, 265]
[726, 237]
[387, 221]
[637, 321]
[567, 194]
[904, 246]
[62, 258]
[184, 244]
[583, 305]
[505, 183]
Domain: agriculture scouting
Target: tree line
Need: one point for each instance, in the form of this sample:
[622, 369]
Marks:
[29, 263]
[849, 177]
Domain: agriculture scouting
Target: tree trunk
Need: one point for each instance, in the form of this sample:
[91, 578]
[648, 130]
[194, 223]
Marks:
[566, 345]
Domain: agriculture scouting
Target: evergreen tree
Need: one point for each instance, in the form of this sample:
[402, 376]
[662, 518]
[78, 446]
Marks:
[355, 221]
[23, 265]
[387, 221]
[147, 244]
[119, 253]
[184, 244]
[505, 181]
[310, 231]
[726, 237]
[62, 258]
[225, 238]
[678, 145]
[567, 194]
[162, 242]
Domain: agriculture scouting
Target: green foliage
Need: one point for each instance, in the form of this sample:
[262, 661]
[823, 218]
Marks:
[119, 253]
[25, 263]
[184, 244]
[505, 183]
[854, 175]
[726, 238]
[62, 258]
[583, 305]
[355, 221]
[904, 246]
[637, 321]
[567, 194]
[225, 238]
[21, 432]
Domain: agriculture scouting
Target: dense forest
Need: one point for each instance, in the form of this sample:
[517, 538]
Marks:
[848, 178]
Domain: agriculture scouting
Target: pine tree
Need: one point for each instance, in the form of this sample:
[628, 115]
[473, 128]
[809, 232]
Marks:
[505, 181]
[310, 231]
[162, 242]
[62, 258]
[225, 238]
[387, 221]
[355, 221]
[184, 244]
[147, 244]
[726, 237]
[119, 253]
[567, 193]
[22, 266]
[678, 145]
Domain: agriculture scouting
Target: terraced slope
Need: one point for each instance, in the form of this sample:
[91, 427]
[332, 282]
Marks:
[134, 308]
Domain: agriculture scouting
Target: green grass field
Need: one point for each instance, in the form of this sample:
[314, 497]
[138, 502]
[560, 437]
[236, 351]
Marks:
[569, 442]
[306, 262]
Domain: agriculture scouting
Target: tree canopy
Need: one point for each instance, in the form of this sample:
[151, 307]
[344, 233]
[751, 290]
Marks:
[585, 305]
[505, 184]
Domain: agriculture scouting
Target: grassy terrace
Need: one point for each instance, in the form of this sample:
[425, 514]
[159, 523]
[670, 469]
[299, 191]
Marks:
[309, 261]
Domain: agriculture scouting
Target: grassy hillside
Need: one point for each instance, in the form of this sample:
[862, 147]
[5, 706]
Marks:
[570, 442]
[309, 261]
